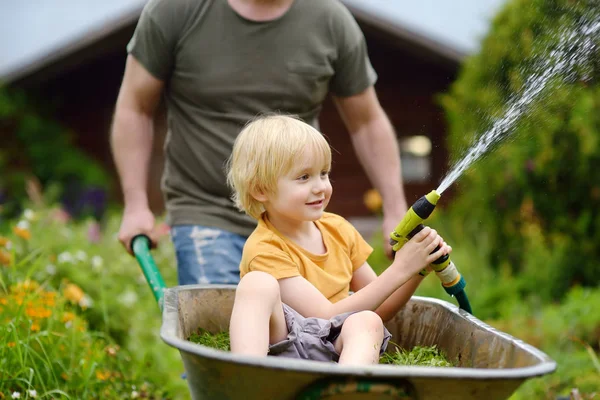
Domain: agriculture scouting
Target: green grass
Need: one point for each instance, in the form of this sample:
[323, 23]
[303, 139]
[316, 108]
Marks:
[424, 356]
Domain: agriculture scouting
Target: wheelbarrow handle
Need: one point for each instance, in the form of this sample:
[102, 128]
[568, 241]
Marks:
[140, 245]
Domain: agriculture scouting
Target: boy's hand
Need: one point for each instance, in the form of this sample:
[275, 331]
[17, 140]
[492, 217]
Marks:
[415, 254]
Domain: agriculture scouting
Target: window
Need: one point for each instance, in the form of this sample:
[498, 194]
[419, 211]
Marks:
[415, 152]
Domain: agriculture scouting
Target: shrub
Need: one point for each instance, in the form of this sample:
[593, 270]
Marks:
[34, 145]
[535, 198]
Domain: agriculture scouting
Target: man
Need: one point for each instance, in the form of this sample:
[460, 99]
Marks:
[220, 63]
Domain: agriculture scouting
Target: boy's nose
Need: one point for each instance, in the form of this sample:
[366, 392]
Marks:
[319, 186]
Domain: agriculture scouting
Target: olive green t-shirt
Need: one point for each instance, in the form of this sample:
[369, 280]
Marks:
[222, 70]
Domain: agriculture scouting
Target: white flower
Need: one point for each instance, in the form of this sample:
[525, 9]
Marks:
[28, 215]
[16, 395]
[86, 302]
[134, 395]
[97, 262]
[128, 298]
[23, 224]
[51, 269]
[81, 255]
[65, 257]
[32, 393]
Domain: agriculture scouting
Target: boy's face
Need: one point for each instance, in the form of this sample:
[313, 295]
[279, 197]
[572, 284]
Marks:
[303, 193]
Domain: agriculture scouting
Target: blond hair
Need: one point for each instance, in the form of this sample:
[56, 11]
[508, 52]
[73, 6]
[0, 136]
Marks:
[265, 150]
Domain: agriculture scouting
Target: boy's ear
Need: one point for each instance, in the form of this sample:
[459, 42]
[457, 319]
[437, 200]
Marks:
[259, 195]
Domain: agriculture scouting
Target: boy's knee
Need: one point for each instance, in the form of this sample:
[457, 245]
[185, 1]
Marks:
[258, 282]
[368, 320]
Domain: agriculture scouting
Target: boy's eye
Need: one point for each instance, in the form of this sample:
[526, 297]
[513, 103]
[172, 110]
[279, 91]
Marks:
[303, 177]
[324, 173]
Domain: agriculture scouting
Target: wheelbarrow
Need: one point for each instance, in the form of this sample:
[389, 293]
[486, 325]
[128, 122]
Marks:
[490, 364]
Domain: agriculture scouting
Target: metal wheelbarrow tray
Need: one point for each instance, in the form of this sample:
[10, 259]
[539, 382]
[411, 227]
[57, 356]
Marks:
[492, 364]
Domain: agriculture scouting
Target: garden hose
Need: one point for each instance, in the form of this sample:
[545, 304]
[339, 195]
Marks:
[412, 223]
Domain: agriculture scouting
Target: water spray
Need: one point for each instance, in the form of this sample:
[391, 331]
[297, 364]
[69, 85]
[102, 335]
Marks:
[412, 223]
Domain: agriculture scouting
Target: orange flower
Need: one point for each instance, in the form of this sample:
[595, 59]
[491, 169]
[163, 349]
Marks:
[102, 375]
[22, 232]
[3, 300]
[11, 344]
[68, 316]
[73, 293]
[3, 241]
[5, 257]
[372, 200]
[38, 312]
[35, 327]
[64, 376]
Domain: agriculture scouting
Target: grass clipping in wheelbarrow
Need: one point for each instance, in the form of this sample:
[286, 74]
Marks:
[422, 356]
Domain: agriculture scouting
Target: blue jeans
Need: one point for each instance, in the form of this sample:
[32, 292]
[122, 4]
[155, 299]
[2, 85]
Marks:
[207, 255]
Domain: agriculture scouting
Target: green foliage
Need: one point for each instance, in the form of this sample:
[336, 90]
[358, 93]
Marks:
[36, 148]
[422, 356]
[219, 341]
[104, 288]
[536, 195]
[46, 349]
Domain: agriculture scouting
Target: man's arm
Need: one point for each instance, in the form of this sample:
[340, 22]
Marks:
[377, 149]
[131, 143]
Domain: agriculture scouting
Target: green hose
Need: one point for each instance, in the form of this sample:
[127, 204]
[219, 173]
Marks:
[463, 301]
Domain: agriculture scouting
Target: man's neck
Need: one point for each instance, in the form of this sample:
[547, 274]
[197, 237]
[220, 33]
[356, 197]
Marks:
[260, 10]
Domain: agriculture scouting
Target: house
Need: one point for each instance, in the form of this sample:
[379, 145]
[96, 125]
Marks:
[75, 54]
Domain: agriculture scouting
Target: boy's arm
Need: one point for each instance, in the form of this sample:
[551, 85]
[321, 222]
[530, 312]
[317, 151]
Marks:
[304, 297]
[364, 275]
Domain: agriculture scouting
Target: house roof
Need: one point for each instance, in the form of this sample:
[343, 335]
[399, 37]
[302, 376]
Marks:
[44, 31]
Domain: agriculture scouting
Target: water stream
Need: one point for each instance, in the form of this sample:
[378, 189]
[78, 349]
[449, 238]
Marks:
[574, 49]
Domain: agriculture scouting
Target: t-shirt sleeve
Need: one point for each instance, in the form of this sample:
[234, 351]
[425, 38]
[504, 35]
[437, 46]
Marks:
[353, 70]
[276, 263]
[358, 248]
[154, 39]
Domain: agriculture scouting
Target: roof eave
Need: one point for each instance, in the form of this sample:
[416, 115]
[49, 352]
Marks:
[450, 55]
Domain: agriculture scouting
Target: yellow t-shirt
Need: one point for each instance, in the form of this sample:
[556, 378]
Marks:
[269, 251]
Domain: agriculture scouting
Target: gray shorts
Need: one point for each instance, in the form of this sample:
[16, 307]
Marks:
[312, 338]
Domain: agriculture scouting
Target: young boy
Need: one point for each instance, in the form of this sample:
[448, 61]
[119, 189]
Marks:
[300, 263]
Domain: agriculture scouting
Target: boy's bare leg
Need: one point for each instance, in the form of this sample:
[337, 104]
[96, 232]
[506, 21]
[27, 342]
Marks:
[257, 318]
[360, 340]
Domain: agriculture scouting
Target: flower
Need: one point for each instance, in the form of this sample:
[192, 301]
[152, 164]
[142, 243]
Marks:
[97, 262]
[35, 327]
[372, 200]
[50, 269]
[32, 393]
[28, 214]
[4, 241]
[65, 257]
[11, 344]
[22, 232]
[68, 316]
[128, 299]
[81, 255]
[5, 257]
[86, 302]
[73, 293]
[16, 395]
[134, 395]
[102, 375]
